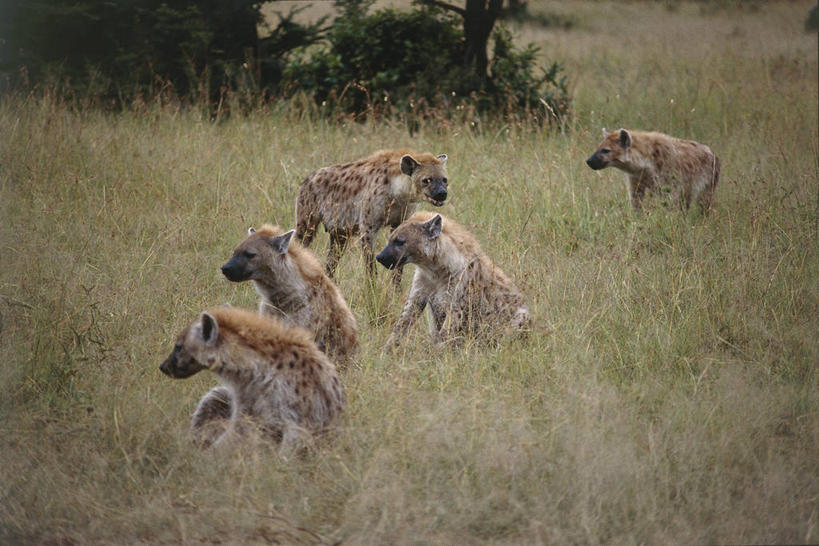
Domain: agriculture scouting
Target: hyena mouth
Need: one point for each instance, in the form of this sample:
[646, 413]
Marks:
[436, 202]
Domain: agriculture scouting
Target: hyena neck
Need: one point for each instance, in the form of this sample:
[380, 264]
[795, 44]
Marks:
[285, 295]
[243, 385]
[400, 189]
[637, 165]
[449, 260]
[233, 372]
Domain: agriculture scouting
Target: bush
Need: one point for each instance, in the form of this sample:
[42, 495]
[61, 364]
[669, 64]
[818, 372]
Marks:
[412, 62]
[196, 48]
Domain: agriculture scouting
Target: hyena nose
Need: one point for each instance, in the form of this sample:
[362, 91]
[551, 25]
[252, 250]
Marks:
[440, 195]
[594, 162]
[230, 272]
[385, 260]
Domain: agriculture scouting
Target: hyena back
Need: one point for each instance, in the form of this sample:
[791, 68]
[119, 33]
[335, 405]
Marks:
[294, 288]
[659, 163]
[271, 373]
[361, 197]
[466, 293]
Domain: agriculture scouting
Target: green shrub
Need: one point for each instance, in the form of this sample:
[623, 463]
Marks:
[390, 61]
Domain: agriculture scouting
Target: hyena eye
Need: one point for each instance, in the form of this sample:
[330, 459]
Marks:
[444, 181]
[425, 181]
[605, 151]
[399, 242]
[249, 255]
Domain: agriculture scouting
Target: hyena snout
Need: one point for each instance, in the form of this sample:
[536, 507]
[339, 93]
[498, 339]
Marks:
[437, 193]
[391, 258]
[165, 367]
[179, 365]
[596, 162]
[235, 271]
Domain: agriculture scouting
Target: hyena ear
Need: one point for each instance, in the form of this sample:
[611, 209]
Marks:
[281, 243]
[625, 138]
[408, 165]
[210, 328]
[442, 158]
[251, 231]
[433, 226]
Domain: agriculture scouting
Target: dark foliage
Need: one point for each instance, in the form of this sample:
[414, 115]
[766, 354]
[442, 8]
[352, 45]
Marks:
[383, 62]
[389, 61]
[194, 46]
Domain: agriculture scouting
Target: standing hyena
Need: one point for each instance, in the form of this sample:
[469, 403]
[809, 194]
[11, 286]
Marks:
[293, 287]
[271, 373]
[362, 196]
[466, 293]
[660, 163]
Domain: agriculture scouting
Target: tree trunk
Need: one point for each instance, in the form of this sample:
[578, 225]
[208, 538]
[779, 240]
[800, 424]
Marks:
[479, 20]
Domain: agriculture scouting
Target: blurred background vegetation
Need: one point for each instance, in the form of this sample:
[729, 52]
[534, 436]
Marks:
[434, 57]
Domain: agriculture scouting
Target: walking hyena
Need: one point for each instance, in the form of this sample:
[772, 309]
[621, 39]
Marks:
[294, 288]
[362, 196]
[271, 373]
[660, 163]
[466, 293]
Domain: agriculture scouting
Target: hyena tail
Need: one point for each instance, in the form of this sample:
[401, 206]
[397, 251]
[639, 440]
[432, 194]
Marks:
[707, 196]
[306, 219]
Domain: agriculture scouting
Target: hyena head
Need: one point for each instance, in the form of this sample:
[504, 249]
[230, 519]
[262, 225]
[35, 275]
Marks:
[263, 251]
[411, 242]
[612, 152]
[429, 178]
[194, 350]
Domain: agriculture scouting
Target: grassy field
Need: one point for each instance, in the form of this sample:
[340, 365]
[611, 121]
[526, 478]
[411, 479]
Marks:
[669, 392]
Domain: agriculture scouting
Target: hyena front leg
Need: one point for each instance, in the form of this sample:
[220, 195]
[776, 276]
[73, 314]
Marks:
[634, 195]
[409, 315]
[306, 222]
[438, 320]
[367, 240]
[338, 242]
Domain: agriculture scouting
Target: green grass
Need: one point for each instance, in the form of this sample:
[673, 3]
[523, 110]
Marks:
[668, 394]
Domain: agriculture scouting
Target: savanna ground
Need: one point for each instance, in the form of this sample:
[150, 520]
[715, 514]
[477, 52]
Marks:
[667, 395]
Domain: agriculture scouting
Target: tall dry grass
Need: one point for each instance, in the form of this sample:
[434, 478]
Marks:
[668, 394]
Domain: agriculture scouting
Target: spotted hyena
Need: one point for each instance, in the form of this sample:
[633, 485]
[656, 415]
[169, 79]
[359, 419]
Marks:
[294, 288]
[466, 293]
[271, 373]
[659, 163]
[362, 196]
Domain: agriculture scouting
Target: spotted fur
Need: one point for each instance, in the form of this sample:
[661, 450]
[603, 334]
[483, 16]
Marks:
[294, 288]
[658, 163]
[272, 374]
[361, 197]
[466, 293]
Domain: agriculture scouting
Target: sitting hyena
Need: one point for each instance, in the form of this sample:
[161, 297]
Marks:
[660, 163]
[271, 373]
[466, 293]
[362, 196]
[294, 288]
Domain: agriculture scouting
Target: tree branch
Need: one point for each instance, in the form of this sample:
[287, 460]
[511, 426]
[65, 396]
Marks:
[459, 10]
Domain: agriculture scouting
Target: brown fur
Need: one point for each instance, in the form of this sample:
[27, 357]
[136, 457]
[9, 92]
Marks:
[294, 288]
[467, 294]
[363, 196]
[658, 163]
[272, 374]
